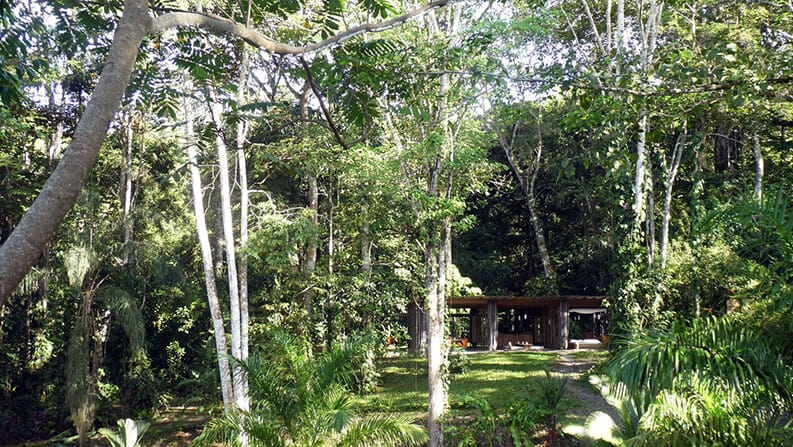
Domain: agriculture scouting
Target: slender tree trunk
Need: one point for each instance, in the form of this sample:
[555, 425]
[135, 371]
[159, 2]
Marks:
[609, 41]
[209, 267]
[620, 40]
[242, 127]
[366, 239]
[216, 206]
[641, 175]
[56, 138]
[649, 218]
[598, 41]
[126, 156]
[331, 230]
[643, 179]
[310, 263]
[238, 374]
[311, 250]
[527, 178]
[759, 168]
[539, 233]
[435, 264]
[670, 181]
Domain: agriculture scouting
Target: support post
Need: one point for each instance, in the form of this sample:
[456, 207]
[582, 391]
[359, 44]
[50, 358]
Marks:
[492, 325]
[564, 315]
[417, 329]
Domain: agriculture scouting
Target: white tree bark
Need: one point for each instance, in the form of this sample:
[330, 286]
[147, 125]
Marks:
[649, 33]
[219, 329]
[759, 168]
[435, 257]
[238, 375]
[649, 219]
[670, 181]
[126, 157]
[366, 238]
[242, 180]
[620, 38]
[641, 175]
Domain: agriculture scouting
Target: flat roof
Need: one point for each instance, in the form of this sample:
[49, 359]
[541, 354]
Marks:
[524, 302]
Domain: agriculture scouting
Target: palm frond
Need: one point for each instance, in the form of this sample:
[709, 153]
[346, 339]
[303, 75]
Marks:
[129, 315]
[650, 362]
[383, 430]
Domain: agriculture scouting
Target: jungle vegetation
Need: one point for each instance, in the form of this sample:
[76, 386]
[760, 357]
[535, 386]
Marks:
[222, 202]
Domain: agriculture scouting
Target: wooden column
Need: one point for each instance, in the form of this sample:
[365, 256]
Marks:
[492, 325]
[564, 314]
[417, 329]
[476, 327]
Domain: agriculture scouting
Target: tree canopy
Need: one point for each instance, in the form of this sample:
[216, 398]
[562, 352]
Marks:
[177, 171]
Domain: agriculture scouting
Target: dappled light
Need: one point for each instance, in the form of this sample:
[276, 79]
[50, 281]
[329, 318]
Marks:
[375, 223]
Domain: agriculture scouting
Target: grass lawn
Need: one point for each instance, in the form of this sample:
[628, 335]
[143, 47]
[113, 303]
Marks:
[500, 377]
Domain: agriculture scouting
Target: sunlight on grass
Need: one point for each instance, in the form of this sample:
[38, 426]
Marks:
[501, 378]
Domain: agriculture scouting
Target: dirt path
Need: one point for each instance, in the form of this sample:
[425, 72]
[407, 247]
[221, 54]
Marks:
[585, 399]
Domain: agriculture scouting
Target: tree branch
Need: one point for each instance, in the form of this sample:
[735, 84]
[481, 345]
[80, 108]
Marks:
[331, 123]
[259, 40]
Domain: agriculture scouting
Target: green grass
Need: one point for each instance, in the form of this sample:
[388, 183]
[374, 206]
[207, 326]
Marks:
[501, 378]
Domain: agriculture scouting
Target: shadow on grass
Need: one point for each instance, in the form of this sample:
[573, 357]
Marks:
[501, 378]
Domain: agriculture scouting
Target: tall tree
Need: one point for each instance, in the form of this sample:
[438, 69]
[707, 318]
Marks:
[219, 330]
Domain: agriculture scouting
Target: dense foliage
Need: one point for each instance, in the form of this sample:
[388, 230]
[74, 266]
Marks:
[634, 149]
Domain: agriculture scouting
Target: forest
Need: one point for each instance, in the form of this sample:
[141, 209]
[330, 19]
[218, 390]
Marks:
[244, 208]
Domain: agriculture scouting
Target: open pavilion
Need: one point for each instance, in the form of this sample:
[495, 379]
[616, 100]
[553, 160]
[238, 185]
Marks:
[501, 321]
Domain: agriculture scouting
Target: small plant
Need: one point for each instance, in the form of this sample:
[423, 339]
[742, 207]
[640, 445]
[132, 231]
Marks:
[521, 419]
[489, 428]
[459, 362]
[129, 433]
[483, 429]
[552, 390]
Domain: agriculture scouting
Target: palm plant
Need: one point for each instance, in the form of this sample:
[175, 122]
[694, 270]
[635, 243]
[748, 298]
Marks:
[713, 381]
[129, 433]
[299, 398]
[552, 390]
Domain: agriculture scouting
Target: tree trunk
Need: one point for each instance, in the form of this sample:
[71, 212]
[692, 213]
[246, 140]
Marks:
[609, 42]
[527, 178]
[242, 128]
[759, 168]
[620, 38]
[649, 219]
[311, 250]
[644, 175]
[641, 176]
[56, 139]
[670, 181]
[539, 233]
[366, 239]
[310, 262]
[331, 238]
[238, 375]
[437, 387]
[126, 157]
[209, 267]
